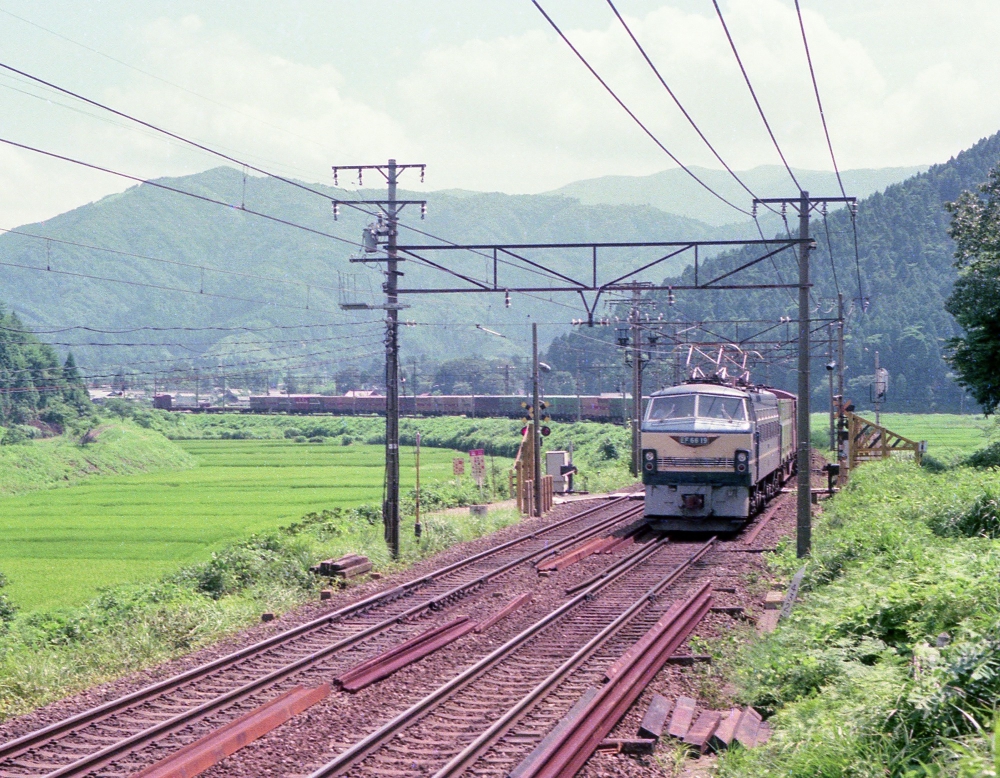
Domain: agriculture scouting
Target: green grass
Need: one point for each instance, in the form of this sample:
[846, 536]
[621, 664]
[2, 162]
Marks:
[949, 436]
[119, 448]
[854, 679]
[61, 546]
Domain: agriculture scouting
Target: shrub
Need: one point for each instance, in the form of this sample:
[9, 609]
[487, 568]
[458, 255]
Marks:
[17, 435]
[979, 519]
[7, 608]
[985, 457]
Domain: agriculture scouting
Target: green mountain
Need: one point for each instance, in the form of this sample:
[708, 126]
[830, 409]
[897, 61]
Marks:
[905, 269]
[222, 269]
[674, 191]
[259, 298]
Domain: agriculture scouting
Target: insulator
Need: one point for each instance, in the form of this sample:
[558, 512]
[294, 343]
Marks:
[423, 210]
[360, 180]
[506, 299]
[335, 182]
[336, 211]
[753, 211]
[422, 173]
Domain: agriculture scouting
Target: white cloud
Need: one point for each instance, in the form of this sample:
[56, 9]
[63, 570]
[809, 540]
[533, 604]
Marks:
[519, 113]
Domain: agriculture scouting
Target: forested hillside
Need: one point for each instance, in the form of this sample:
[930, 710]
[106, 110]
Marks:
[194, 284]
[36, 385]
[905, 274]
[305, 275]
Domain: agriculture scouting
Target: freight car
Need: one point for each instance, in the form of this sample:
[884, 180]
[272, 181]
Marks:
[712, 454]
[561, 407]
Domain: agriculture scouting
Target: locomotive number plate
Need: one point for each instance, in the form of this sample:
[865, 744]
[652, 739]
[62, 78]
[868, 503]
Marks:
[694, 440]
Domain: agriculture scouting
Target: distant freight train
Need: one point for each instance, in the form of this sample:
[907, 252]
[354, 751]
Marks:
[561, 407]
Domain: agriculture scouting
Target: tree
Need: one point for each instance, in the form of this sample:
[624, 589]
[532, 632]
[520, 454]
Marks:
[975, 299]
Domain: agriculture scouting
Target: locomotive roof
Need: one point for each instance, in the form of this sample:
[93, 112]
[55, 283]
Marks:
[726, 391]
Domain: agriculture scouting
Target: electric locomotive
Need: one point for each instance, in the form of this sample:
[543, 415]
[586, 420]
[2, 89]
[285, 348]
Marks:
[713, 454]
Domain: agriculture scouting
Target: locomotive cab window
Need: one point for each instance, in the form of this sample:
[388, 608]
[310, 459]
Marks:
[680, 406]
[722, 408]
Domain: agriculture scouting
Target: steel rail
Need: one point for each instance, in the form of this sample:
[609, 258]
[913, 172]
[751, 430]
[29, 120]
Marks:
[168, 726]
[47, 734]
[468, 756]
[363, 748]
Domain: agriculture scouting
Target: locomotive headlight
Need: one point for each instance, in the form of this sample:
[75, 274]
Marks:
[650, 456]
[742, 460]
[649, 460]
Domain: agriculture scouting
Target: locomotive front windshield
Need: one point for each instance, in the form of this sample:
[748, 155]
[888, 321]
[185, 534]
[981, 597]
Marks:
[702, 406]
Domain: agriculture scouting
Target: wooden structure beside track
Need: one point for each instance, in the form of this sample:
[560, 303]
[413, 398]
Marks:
[868, 441]
[521, 478]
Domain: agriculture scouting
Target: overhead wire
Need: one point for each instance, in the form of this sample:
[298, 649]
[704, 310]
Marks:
[165, 187]
[677, 101]
[753, 94]
[176, 263]
[162, 287]
[632, 114]
[833, 157]
[164, 80]
[234, 160]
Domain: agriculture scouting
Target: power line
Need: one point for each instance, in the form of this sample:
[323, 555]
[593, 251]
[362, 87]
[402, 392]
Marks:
[229, 347]
[221, 155]
[174, 262]
[677, 102]
[829, 248]
[158, 185]
[819, 103]
[163, 131]
[631, 114]
[829, 145]
[147, 285]
[130, 330]
[753, 94]
[163, 80]
[341, 356]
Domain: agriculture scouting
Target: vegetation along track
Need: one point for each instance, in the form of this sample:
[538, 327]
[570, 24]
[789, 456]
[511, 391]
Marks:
[168, 714]
[485, 719]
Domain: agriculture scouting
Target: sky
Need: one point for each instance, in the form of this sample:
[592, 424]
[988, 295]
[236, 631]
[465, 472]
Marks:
[482, 91]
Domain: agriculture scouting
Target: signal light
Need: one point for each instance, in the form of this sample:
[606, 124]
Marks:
[545, 432]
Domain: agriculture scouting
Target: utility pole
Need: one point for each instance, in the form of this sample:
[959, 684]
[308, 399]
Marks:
[804, 205]
[387, 231]
[878, 396]
[536, 418]
[636, 379]
[390, 512]
[841, 419]
[804, 492]
[830, 368]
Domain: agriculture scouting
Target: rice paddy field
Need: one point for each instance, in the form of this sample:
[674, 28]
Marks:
[949, 436]
[61, 545]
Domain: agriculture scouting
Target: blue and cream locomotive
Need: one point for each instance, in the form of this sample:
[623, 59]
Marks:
[713, 454]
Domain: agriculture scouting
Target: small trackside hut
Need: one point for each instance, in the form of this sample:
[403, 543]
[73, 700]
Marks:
[714, 454]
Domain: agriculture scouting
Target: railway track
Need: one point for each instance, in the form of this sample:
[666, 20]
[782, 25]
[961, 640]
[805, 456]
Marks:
[488, 716]
[120, 736]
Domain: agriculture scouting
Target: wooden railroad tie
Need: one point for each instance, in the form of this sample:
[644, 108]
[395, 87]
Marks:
[348, 566]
